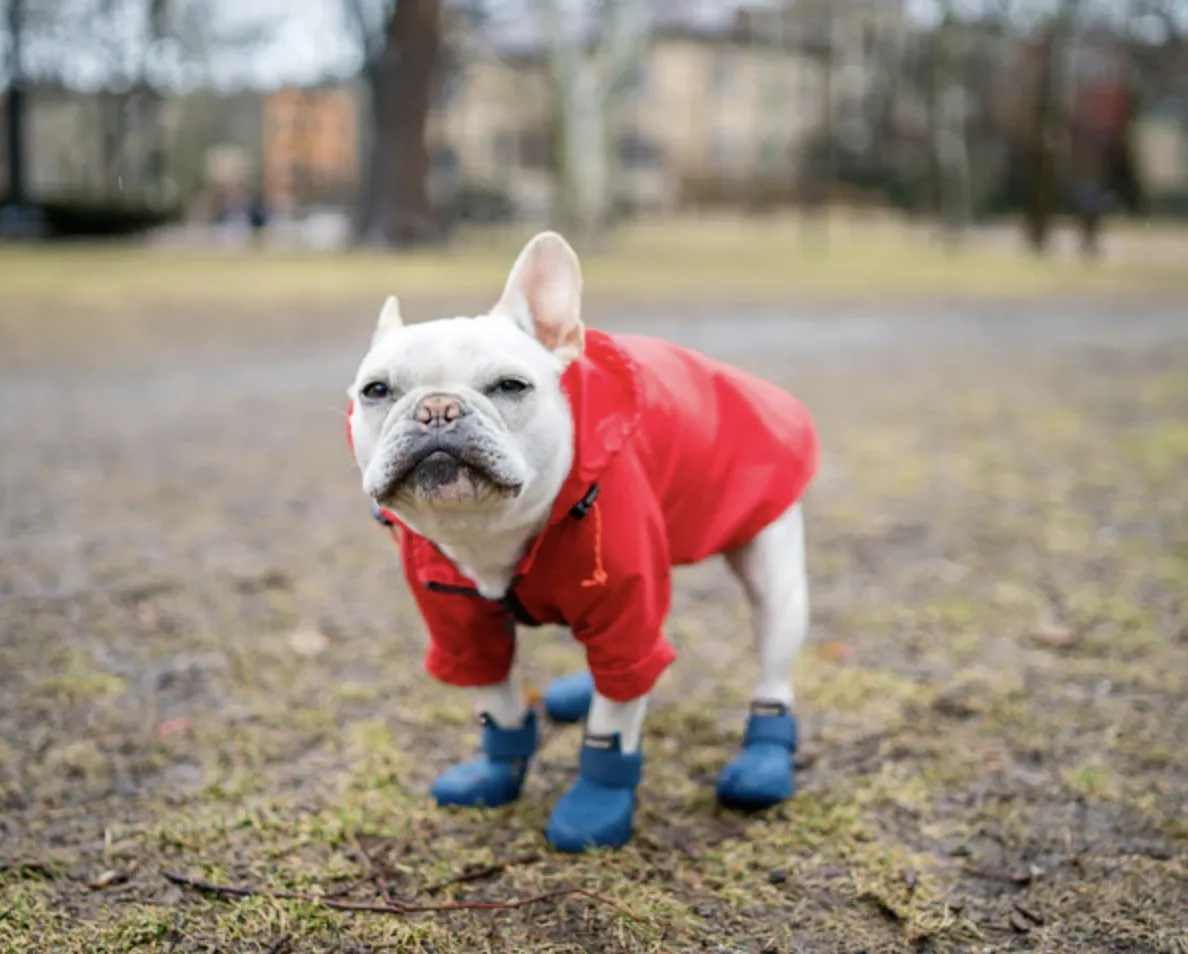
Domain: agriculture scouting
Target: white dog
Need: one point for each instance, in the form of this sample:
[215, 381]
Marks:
[541, 472]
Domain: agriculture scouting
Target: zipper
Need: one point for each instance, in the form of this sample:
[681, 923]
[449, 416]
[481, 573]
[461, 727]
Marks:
[510, 601]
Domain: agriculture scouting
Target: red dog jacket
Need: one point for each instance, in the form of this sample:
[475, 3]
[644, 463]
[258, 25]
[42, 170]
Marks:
[677, 457]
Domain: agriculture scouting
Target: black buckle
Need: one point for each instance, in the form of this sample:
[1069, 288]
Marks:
[582, 507]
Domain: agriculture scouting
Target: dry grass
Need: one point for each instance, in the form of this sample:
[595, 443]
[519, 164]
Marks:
[683, 259]
[208, 666]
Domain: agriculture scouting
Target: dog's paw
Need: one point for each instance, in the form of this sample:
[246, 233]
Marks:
[762, 775]
[497, 775]
[590, 815]
[480, 783]
[598, 811]
[567, 698]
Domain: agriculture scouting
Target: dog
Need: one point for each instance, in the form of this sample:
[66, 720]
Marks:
[536, 471]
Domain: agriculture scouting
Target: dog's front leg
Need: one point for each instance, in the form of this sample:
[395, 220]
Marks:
[502, 702]
[508, 743]
[599, 808]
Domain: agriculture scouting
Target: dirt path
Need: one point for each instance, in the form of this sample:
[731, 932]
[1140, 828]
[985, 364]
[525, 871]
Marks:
[208, 663]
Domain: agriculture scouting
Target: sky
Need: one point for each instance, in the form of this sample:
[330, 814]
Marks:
[308, 40]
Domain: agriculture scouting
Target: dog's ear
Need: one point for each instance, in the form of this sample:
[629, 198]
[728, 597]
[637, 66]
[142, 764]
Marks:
[389, 319]
[543, 296]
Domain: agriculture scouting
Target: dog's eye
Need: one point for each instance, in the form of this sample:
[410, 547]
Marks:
[511, 386]
[376, 391]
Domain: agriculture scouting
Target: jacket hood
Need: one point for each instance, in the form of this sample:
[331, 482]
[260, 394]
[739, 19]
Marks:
[602, 387]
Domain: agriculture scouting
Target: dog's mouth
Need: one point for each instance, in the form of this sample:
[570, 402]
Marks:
[447, 474]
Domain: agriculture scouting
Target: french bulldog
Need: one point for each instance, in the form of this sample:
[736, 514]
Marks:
[536, 471]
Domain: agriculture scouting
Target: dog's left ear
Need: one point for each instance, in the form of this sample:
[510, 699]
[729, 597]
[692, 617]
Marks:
[388, 320]
[543, 296]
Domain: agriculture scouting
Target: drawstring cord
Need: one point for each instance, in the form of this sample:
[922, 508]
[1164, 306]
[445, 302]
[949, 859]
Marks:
[599, 576]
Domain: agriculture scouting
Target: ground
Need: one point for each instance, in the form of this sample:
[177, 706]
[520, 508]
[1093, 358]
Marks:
[209, 665]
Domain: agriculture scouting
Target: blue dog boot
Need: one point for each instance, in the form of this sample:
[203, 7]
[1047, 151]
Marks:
[496, 776]
[762, 775]
[599, 808]
[567, 698]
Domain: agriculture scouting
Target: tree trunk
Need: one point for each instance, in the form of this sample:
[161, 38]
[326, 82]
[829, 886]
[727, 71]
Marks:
[947, 116]
[584, 201]
[588, 92]
[1039, 158]
[403, 212]
[16, 107]
[367, 203]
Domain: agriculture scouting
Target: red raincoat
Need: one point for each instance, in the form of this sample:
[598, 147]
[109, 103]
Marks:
[677, 457]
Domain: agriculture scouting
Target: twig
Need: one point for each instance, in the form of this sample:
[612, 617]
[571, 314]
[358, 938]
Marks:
[398, 907]
[478, 874]
[351, 886]
[401, 907]
[1010, 877]
[1028, 912]
[376, 873]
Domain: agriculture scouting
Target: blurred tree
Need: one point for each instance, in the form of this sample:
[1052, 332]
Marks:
[813, 26]
[947, 114]
[407, 61]
[131, 53]
[1045, 127]
[399, 41]
[15, 110]
[589, 87]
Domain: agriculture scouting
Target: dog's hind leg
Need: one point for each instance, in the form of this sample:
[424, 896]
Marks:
[771, 569]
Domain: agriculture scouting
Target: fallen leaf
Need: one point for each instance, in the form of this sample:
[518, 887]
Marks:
[147, 614]
[114, 876]
[308, 641]
[1055, 636]
[174, 726]
[836, 651]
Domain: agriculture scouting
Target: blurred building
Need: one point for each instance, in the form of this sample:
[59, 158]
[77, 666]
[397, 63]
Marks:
[310, 145]
[725, 106]
[735, 101]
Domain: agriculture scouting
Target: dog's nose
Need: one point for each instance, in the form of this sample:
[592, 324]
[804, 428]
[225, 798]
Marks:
[437, 410]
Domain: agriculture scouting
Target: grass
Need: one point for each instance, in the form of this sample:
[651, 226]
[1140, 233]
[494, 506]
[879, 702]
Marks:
[752, 260]
[70, 299]
[209, 667]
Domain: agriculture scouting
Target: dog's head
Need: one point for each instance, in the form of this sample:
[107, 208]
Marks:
[461, 423]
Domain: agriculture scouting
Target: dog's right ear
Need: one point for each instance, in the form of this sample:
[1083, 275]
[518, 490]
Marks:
[543, 296]
[389, 319]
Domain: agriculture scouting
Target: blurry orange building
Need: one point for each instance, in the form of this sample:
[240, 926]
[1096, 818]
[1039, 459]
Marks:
[310, 145]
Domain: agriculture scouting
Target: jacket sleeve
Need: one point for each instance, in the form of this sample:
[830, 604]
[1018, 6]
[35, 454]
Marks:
[617, 609]
[472, 641]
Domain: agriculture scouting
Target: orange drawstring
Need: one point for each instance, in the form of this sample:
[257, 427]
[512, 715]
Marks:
[599, 576]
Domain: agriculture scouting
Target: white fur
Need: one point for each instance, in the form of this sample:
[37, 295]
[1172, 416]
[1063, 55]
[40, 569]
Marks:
[532, 333]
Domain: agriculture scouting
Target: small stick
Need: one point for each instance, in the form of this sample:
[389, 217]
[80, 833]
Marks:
[484, 872]
[376, 873]
[1011, 877]
[401, 907]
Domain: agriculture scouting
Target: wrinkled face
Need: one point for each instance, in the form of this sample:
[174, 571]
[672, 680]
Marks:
[461, 412]
[462, 421]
